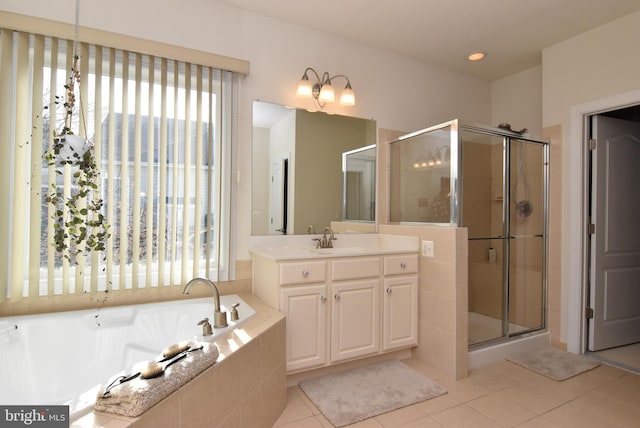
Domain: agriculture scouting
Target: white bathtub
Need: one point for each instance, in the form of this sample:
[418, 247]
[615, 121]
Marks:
[64, 358]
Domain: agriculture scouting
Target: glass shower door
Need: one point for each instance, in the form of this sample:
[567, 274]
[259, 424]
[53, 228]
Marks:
[527, 249]
[483, 168]
[506, 225]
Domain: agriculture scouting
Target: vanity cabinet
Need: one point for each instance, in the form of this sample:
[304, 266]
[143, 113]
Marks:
[341, 308]
[355, 307]
[400, 302]
[306, 325]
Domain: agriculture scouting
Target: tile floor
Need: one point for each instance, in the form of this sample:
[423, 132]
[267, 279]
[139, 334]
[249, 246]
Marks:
[502, 395]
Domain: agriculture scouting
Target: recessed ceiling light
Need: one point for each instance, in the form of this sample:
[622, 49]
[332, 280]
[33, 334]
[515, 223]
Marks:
[476, 56]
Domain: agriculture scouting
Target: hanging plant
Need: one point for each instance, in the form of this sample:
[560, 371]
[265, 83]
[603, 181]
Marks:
[80, 226]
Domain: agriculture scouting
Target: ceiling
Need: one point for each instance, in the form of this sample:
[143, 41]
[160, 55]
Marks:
[511, 32]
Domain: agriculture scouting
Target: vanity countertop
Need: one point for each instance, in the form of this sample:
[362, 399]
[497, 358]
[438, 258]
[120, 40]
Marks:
[294, 247]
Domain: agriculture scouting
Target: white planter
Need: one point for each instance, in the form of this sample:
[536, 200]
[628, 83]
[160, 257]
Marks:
[73, 148]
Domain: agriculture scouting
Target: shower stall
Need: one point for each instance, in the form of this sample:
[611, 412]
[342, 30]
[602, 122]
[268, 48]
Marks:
[494, 182]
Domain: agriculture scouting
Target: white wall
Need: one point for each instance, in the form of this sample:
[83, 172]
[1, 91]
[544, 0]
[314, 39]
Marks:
[579, 75]
[399, 92]
[517, 100]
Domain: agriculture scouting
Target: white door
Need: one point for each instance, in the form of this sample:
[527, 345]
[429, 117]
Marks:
[278, 193]
[615, 243]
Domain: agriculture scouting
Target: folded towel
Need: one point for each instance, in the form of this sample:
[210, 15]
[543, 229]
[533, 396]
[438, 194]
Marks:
[137, 395]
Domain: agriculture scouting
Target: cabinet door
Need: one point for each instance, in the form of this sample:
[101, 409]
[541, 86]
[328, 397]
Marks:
[400, 314]
[305, 309]
[355, 319]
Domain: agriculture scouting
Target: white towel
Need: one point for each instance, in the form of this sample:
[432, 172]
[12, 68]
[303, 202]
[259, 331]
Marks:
[137, 395]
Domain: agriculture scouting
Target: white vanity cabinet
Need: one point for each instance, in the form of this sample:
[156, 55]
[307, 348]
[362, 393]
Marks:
[306, 310]
[342, 307]
[355, 307]
[303, 299]
[400, 302]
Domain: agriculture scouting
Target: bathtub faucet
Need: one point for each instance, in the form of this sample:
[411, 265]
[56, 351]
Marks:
[219, 317]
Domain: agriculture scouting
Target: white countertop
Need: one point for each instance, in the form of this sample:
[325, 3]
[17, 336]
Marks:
[290, 247]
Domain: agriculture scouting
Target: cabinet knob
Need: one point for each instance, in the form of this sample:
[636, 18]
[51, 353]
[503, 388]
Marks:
[388, 290]
[305, 273]
[403, 265]
[323, 299]
[337, 297]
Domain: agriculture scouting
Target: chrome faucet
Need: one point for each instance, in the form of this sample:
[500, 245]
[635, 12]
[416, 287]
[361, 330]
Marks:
[219, 317]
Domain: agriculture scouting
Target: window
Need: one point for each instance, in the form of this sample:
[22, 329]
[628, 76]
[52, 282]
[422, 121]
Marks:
[161, 130]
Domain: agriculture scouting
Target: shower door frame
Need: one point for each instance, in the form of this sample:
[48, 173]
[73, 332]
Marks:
[507, 138]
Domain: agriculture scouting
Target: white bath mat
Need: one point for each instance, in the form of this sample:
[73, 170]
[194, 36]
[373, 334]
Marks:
[553, 363]
[354, 395]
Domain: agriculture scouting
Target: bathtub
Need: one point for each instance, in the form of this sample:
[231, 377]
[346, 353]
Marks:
[65, 358]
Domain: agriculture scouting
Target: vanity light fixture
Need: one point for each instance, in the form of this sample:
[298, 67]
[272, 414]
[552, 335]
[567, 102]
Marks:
[322, 90]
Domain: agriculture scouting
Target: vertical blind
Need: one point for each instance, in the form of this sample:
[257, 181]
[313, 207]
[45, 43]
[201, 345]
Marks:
[161, 130]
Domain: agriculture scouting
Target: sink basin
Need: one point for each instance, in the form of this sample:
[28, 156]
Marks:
[337, 251]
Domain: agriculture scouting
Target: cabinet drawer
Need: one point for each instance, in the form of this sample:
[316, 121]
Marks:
[302, 273]
[352, 268]
[400, 264]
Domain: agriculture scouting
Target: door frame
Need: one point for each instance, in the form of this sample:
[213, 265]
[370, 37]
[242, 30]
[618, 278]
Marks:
[575, 206]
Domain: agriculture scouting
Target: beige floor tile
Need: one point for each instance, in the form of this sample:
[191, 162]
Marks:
[463, 416]
[466, 389]
[610, 409]
[571, 415]
[530, 398]
[426, 422]
[494, 379]
[307, 401]
[367, 423]
[308, 422]
[539, 422]
[564, 391]
[502, 394]
[608, 372]
[503, 410]
[296, 408]
[400, 417]
[438, 404]
[623, 389]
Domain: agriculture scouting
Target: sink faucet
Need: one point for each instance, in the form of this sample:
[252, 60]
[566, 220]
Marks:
[327, 242]
[219, 317]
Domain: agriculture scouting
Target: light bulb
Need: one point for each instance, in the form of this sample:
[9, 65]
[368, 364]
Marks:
[305, 88]
[347, 97]
[327, 94]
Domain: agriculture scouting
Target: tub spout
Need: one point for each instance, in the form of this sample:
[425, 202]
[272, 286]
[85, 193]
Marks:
[219, 317]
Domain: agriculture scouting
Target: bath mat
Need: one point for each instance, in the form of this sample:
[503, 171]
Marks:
[354, 395]
[553, 363]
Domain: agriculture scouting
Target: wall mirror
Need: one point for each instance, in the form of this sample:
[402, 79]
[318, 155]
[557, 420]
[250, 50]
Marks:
[297, 167]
